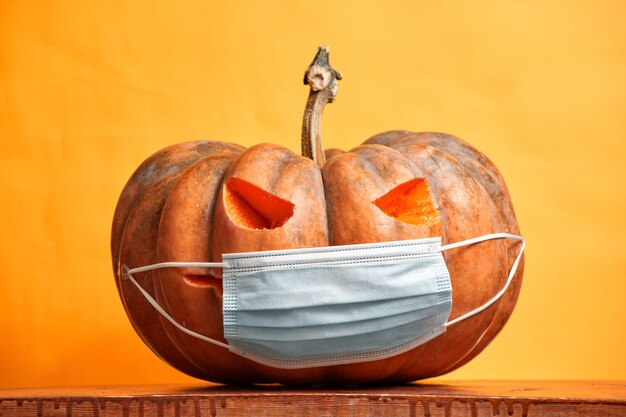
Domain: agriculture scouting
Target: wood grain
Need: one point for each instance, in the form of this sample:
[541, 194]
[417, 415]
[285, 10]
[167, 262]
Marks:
[434, 399]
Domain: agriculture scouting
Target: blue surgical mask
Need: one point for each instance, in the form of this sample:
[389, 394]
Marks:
[302, 308]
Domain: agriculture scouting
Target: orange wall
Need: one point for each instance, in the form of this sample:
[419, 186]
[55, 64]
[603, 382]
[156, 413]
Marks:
[89, 89]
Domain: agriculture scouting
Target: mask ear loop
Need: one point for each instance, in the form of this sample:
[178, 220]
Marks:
[509, 279]
[128, 274]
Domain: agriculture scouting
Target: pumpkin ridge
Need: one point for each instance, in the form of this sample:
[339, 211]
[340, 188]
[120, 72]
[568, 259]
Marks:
[485, 173]
[185, 233]
[134, 303]
[445, 166]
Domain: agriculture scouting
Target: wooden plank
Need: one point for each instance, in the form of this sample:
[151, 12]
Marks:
[429, 399]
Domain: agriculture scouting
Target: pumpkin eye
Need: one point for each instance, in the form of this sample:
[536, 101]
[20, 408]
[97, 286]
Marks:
[410, 202]
[254, 208]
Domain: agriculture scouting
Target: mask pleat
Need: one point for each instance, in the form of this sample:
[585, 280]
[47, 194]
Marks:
[324, 285]
[340, 313]
[375, 339]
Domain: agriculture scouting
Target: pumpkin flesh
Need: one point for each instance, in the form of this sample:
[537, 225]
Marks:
[410, 202]
[253, 207]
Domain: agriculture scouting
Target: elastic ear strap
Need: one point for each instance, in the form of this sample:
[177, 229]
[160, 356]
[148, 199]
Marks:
[509, 279]
[129, 273]
[176, 265]
[479, 239]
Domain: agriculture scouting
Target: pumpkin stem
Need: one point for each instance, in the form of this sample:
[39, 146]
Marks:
[322, 79]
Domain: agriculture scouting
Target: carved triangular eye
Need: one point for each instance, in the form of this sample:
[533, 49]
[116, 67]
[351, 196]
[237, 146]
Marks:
[410, 202]
[254, 208]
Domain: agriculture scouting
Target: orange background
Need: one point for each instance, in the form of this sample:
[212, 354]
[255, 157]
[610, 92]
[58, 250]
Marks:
[90, 89]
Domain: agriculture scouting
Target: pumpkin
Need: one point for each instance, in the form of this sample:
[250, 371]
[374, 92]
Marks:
[195, 201]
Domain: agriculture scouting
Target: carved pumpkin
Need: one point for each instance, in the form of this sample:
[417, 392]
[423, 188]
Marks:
[195, 201]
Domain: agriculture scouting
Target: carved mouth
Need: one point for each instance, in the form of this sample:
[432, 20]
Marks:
[204, 281]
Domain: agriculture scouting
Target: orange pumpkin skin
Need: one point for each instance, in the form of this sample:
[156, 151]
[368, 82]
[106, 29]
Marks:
[188, 203]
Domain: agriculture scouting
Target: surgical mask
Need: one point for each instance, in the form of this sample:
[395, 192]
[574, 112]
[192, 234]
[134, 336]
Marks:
[302, 308]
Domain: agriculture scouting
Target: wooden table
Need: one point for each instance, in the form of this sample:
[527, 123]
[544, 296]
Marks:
[445, 399]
